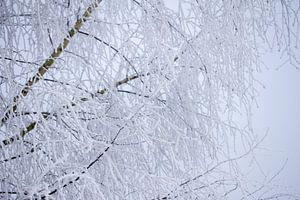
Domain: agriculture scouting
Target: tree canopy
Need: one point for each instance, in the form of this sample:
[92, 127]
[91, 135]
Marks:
[133, 100]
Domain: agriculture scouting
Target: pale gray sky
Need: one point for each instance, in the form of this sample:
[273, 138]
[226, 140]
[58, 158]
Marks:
[279, 111]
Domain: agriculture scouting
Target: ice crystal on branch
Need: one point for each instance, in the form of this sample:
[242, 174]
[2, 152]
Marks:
[132, 100]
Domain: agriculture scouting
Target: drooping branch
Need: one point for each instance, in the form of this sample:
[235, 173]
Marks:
[213, 168]
[110, 46]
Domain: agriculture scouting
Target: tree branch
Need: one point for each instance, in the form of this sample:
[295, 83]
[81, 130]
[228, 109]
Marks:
[50, 61]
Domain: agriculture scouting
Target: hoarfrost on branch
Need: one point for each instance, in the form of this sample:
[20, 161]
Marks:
[133, 100]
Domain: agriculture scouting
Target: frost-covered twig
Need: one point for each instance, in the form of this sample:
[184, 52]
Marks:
[87, 167]
[49, 62]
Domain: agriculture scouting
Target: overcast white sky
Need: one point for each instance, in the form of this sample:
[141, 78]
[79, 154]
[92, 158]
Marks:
[279, 111]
